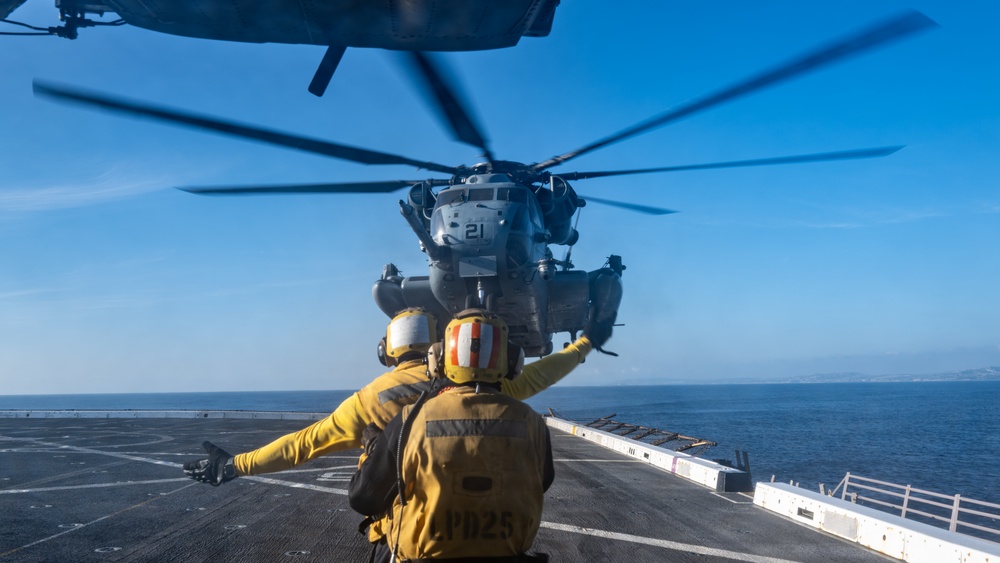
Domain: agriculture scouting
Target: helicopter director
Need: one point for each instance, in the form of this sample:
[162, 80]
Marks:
[461, 473]
[361, 416]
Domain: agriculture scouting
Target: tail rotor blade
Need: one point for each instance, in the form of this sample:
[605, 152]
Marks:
[324, 72]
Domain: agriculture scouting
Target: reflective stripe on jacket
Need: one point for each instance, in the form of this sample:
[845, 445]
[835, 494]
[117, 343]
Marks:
[379, 401]
[343, 428]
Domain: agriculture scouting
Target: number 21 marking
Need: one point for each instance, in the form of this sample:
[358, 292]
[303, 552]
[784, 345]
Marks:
[475, 230]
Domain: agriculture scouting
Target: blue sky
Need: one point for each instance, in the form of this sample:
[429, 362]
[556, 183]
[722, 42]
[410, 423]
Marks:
[112, 281]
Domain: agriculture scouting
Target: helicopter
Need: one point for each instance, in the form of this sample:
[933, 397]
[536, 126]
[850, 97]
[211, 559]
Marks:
[487, 228]
[421, 25]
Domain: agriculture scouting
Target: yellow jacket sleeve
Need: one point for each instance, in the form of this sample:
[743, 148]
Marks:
[540, 375]
[339, 431]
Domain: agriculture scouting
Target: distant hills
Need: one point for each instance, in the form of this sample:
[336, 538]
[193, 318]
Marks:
[990, 373]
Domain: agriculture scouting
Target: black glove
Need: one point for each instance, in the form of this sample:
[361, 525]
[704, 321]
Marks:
[369, 436]
[215, 470]
[598, 332]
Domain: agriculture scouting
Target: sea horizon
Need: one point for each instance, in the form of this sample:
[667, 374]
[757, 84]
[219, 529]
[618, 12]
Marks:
[988, 373]
[810, 433]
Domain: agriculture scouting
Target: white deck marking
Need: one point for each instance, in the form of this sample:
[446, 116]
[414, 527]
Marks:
[352, 469]
[93, 451]
[731, 500]
[550, 525]
[295, 485]
[603, 460]
[665, 544]
[82, 526]
[94, 486]
[267, 480]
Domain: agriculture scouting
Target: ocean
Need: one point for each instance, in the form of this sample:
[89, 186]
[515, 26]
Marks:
[938, 436]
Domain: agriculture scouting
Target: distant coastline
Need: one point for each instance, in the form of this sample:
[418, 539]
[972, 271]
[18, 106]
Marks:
[989, 373]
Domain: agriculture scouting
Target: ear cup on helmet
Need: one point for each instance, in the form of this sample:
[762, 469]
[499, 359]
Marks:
[515, 360]
[383, 358]
[435, 360]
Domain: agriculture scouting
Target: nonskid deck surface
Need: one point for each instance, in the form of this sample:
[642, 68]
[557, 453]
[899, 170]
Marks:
[112, 490]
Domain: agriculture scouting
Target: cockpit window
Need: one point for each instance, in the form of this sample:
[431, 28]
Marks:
[450, 196]
[517, 195]
[480, 194]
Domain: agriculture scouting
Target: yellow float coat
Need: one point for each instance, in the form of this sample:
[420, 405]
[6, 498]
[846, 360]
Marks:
[473, 472]
[380, 400]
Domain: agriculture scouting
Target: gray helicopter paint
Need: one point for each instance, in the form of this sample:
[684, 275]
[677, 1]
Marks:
[426, 25]
[8, 6]
[487, 241]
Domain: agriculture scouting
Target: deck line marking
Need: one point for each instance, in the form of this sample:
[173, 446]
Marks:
[551, 525]
[93, 486]
[729, 499]
[294, 485]
[80, 527]
[178, 465]
[353, 468]
[602, 460]
[665, 544]
[98, 452]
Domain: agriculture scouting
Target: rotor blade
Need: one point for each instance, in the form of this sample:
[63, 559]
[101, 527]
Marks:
[630, 206]
[817, 157]
[854, 44]
[324, 72]
[448, 103]
[326, 148]
[341, 188]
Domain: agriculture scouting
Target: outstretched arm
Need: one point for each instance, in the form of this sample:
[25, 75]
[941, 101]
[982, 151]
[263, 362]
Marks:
[542, 374]
[340, 431]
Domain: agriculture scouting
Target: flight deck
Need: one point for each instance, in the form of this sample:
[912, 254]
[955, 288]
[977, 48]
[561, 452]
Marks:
[111, 489]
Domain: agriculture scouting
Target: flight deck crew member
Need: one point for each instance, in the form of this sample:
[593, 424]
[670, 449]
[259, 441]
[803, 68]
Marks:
[462, 473]
[408, 338]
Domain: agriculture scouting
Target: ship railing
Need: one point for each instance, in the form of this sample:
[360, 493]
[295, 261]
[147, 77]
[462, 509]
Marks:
[954, 512]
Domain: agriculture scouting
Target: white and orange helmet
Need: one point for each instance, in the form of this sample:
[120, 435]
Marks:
[475, 348]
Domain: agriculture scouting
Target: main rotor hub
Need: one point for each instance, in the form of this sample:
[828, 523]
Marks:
[517, 172]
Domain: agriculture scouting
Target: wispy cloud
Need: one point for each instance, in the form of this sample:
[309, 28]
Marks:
[830, 225]
[911, 216]
[837, 218]
[119, 182]
[267, 286]
[19, 294]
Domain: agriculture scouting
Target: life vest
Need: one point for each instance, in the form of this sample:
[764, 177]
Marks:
[472, 467]
[382, 400]
[384, 397]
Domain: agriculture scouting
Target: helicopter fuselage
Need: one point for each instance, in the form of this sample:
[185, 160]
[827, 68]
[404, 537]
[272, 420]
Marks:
[487, 238]
[424, 25]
